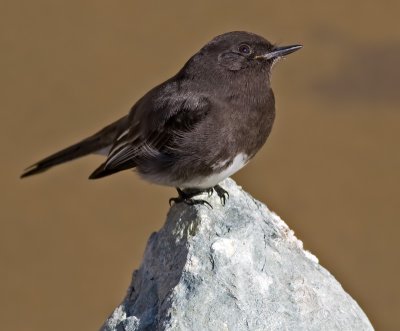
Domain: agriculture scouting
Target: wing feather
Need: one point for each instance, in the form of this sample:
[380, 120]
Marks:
[155, 128]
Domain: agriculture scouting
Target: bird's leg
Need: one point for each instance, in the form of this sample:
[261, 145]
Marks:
[187, 195]
[223, 194]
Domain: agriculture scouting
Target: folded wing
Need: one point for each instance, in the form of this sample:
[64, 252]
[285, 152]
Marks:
[157, 122]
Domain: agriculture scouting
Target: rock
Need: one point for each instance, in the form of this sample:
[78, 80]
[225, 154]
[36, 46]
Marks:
[233, 267]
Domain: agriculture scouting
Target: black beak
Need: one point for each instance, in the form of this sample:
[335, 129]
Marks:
[280, 51]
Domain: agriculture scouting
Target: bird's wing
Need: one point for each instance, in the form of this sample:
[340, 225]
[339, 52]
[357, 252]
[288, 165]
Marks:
[156, 125]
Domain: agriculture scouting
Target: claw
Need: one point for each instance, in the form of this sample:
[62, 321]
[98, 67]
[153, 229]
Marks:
[187, 197]
[223, 194]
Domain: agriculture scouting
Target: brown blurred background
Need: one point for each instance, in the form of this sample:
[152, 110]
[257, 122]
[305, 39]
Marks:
[330, 168]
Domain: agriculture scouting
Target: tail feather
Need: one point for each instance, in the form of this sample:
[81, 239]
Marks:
[92, 144]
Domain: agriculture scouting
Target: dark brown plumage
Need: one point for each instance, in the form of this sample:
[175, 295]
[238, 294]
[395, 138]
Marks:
[198, 127]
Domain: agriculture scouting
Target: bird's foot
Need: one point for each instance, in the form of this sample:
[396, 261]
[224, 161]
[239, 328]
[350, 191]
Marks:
[186, 196]
[223, 194]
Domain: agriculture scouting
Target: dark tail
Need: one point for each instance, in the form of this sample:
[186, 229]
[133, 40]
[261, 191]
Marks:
[92, 144]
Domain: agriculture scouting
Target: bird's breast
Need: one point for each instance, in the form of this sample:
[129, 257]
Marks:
[251, 126]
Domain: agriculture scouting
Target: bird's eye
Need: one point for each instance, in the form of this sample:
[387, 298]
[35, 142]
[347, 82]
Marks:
[244, 49]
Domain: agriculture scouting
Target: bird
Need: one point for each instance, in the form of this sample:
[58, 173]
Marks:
[198, 127]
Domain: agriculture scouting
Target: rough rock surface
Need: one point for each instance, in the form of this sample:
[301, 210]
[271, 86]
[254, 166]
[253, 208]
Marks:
[237, 267]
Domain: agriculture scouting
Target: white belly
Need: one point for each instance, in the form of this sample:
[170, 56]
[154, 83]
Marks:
[238, 163]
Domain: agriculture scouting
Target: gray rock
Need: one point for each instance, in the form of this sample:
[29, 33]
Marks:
[237, 267]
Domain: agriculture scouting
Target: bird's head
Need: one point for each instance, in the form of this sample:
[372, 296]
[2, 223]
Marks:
[240, 51]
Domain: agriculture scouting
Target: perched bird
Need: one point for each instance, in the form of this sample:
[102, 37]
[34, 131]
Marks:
[198, 127]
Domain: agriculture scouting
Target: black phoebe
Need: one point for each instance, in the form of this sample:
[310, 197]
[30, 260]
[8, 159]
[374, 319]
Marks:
[198, 127]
